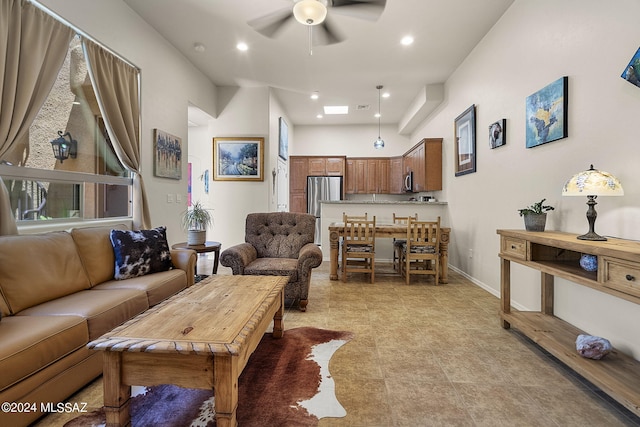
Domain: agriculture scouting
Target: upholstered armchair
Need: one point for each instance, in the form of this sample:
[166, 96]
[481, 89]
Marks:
[278, 244]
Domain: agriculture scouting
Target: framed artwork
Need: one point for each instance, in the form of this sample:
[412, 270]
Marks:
[238, 159]
[498, 133]
[283, 139]
[465, 140]
[632, 72]
[546, 119]
[167, 155]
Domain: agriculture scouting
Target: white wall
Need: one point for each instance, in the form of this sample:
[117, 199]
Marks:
[243, 112]
[533, 44]
[350, 140]
[169, 83]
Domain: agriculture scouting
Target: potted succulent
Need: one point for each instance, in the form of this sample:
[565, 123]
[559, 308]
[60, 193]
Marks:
[195, 220]
[535, 216]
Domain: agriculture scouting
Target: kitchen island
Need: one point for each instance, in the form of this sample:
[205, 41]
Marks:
[383, 210]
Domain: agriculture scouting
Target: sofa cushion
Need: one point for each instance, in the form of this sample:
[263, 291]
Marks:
[102, 309]
[158, 286]
[31, 343]
[279, 234]
[96, 252]
[38, 268]
[140, 252]
[273, 267]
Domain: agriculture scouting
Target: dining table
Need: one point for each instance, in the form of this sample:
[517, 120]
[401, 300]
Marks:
[386, 231]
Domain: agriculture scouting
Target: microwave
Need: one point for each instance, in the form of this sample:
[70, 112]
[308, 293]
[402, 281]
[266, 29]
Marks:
[408, 182]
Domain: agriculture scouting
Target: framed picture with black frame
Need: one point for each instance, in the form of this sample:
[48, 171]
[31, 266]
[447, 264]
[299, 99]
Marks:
[498, 133]
[283, 139]
[465, 142]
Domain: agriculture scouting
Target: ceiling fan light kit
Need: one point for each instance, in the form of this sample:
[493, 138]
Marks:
[314, 13]
[310, 12]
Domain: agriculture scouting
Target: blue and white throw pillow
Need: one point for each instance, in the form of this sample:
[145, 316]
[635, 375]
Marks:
[140, 252]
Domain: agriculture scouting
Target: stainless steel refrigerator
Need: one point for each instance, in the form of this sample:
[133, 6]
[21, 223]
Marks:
[321, 188]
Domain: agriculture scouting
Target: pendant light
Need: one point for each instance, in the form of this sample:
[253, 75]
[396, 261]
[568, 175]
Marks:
[378, 143]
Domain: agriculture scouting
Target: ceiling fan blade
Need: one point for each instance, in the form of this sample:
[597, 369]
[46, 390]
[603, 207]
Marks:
[369, 10]
[327, 34]
[271, 24]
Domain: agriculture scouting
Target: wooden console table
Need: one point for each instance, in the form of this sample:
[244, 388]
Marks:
[555, 253]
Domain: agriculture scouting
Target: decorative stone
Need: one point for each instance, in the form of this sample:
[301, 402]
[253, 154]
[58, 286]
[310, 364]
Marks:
[592, 347]
[589, 262]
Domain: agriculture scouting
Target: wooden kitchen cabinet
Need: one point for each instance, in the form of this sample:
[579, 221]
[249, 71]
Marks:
[335, 166]
[298, 170]
[317, 166]
[377, 176]
[357, 180]
[367, 175]
[326, 166]
[300, 167]
[425, 161]
[396, 175]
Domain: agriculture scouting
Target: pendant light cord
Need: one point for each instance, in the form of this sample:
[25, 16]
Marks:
[379, 115]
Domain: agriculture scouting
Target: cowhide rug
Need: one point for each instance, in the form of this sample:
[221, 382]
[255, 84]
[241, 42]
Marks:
[285, 383]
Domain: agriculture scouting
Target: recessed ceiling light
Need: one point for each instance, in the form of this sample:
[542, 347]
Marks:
[407, 40]
[198, 47]
[319, 116]
[242, 46]
[315, 95]
[376, 115]
[386, 95]
[336, 109]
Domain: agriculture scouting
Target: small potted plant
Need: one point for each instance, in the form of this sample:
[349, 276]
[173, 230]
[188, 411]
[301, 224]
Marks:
[535, 216]
[195, 220]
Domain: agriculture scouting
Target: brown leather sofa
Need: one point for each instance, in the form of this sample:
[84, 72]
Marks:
[57, 293]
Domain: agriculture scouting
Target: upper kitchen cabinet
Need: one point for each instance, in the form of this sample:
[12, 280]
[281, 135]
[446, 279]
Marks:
[396, 175]
[357, 176]
[326, 166]
[425, 161]
[378, 176]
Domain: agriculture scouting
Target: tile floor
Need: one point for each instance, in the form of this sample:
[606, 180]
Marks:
[428, 355]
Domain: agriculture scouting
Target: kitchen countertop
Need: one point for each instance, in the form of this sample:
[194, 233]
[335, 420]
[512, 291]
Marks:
[381, 202]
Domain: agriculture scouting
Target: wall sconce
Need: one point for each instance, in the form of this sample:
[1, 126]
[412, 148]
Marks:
[63, 149]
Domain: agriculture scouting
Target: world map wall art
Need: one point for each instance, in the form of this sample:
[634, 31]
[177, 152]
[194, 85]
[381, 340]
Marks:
[547, 114]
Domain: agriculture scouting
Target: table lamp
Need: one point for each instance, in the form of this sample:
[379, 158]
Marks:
[592, 183]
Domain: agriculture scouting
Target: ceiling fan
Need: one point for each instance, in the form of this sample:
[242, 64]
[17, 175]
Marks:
[315, 13]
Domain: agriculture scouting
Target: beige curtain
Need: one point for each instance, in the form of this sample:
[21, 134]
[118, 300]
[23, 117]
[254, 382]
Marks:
[116, 85]
[33, 47]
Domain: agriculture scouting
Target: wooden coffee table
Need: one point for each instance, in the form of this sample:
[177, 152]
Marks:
[199, 338]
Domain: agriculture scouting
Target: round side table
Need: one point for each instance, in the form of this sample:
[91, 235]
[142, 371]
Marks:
[208, 246]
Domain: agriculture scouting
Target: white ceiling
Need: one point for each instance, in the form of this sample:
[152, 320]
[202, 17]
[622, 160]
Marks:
[346, 73]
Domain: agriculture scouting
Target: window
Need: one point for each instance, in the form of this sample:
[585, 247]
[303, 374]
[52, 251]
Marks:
[92, 185]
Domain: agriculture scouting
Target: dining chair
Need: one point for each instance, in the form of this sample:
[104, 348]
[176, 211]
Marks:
[346, 217]
[358, 247]
[398, 243]
[421, 252]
